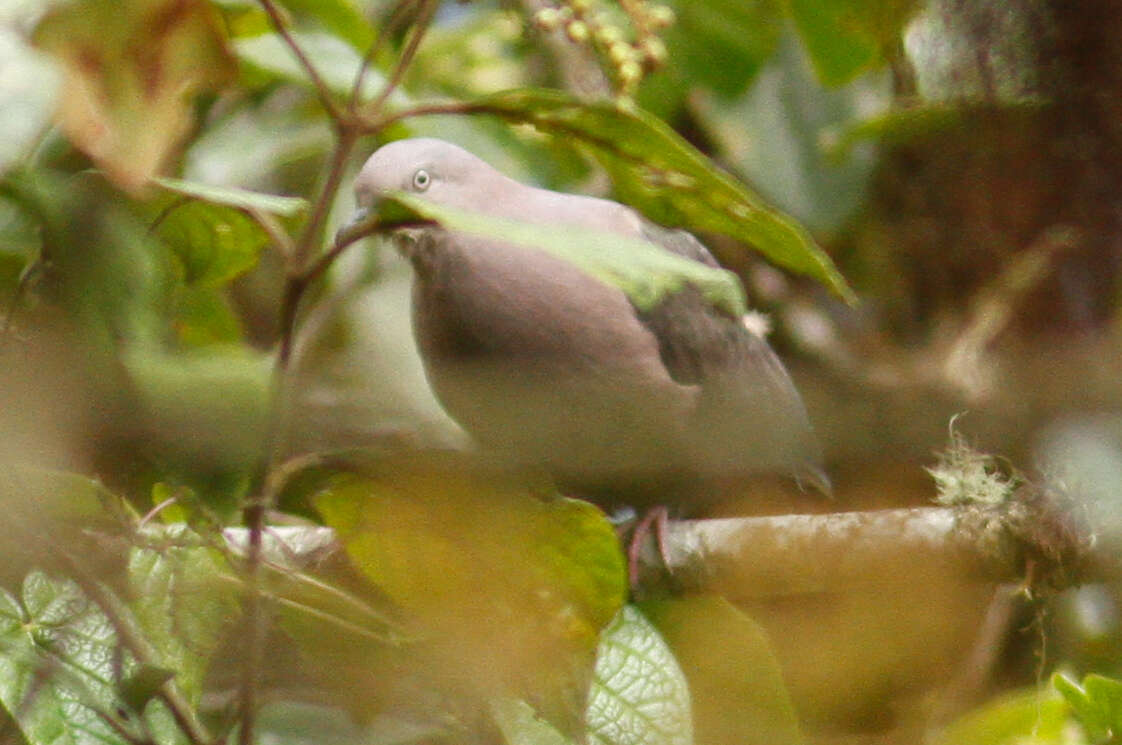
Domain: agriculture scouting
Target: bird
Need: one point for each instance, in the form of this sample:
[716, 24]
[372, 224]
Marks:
[548, 367]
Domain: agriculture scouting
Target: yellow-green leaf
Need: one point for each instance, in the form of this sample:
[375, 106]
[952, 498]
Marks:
[666, 178]
[131, 70]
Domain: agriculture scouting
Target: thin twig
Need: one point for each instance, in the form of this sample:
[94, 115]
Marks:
[424, 19]
[322, 91]
[273, 229]
[392, 23]
[370, 125]
[312, 235]
[297, 262]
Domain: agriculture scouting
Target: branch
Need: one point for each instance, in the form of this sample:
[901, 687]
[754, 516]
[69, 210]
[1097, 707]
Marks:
[397, 16]
[322, 91]
[798, 554]
[785, 555]
[273, 229]
[424, 19]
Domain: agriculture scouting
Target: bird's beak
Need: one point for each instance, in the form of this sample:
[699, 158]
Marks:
[358, 226]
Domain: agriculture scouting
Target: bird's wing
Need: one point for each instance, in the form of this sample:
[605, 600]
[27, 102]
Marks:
[749, 410]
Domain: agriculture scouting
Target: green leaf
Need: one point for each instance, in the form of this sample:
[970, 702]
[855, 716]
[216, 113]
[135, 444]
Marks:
[838, 45]
[1097, 704]
[336, 62]
[61, 497]
[1020, 716]
[741, 34]
[645, 272]
[1107, 695]
[132, 69]
[507, 591]
[341, 17]
[206, 407]
[143, 685]
[846, 37]
[898, 126]
[735, 679]
[68, 509]
[210, 231]
[202, 317]
[520, 724]
[665, 177]
[242, 199]
[57, 653]
[28, 95]
[639, 695]
[214, 244]
[776, 136]
[180, 603]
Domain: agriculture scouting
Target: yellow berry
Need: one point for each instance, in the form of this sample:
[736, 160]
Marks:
[608, 35]
[653, 50]
[630, 72]
[621, 52]
[660, 16]
[577, 31]
[548, 19]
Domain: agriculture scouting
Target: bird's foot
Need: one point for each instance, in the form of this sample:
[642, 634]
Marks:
[656, 520]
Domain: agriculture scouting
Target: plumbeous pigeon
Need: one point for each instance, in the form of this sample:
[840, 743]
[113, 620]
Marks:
[552, 368]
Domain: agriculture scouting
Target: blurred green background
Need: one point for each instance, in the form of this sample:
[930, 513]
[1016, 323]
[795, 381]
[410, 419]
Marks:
[959, 160]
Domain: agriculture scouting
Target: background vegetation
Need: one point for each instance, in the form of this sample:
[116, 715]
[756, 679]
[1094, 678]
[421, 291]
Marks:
[231, 510]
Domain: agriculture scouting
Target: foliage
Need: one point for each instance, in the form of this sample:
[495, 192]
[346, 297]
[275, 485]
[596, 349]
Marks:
[170, 175]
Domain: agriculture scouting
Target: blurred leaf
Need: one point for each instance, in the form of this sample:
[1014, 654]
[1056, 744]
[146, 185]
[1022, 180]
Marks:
[336, 62]
[1107, 694]
[207, 407]
[845, 37]
[1027, 717]
[143, 685]
[1097, 705]
[132, 67]
[509, 592]
[29, 90]
[233, 150]
[46, 509]
[343, 18]
[898, 126]
[180, 603]
[202, 317]
[664, 176]
[520, 724]
[777, 135]
[736, 683]
[57, 653]
[242, 199]
[303, 723]
[838, 45]
[646, 273]
[476, 55]
[639, 694]
[215, 244]
[61, 498]
[99, 265]
[722, 44]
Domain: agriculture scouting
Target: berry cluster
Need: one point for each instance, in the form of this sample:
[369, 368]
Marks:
[626, 41]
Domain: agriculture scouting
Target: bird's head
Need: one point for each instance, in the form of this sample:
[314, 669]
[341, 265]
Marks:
[438, 171]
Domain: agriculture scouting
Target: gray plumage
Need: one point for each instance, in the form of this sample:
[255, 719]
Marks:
[550, 367]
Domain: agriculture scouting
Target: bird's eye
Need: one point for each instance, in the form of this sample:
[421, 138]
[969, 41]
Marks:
[421, 180]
